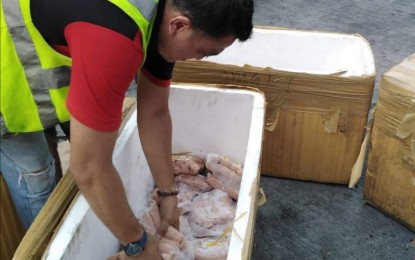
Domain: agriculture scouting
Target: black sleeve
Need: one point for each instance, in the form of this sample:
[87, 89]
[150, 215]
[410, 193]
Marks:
[155, 64]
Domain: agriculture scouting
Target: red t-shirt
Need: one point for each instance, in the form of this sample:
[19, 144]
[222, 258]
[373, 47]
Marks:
[101, 73]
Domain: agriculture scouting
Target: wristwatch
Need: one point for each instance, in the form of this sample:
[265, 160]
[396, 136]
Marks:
[135, 248]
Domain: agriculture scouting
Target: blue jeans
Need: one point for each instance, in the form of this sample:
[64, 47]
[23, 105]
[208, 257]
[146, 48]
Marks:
[29, 171]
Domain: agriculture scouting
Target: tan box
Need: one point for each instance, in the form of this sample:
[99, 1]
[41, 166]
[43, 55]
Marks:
[318, 88]
[390, 177]
[11, 230]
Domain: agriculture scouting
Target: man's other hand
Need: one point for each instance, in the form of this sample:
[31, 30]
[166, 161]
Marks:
[169, 214]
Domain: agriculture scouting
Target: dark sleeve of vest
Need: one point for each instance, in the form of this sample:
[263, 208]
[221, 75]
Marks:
[157, 66]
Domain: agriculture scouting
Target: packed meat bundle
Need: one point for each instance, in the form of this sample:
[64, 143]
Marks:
[207, 203]
[213, 158]
[224, 174]
[187, 164]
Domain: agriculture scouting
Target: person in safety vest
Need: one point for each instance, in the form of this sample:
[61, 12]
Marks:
[73, 60]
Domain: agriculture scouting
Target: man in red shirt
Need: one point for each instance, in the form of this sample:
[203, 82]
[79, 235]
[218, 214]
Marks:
[106, 49]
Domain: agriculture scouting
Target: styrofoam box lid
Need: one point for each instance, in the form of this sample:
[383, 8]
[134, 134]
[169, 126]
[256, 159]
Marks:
[302, 51]
[205, 119]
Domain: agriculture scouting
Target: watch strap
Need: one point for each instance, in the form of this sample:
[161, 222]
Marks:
[141, 242]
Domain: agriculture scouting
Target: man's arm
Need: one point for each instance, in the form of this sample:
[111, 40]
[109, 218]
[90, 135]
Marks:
[99, 182]
[155, 129]
[93, 170]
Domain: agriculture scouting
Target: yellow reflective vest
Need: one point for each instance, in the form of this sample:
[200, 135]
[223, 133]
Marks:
[34, 77]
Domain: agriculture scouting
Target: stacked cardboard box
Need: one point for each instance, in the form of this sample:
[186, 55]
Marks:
[318, 88]
[390, 177]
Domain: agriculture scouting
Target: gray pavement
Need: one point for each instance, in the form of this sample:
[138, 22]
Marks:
[304, 220]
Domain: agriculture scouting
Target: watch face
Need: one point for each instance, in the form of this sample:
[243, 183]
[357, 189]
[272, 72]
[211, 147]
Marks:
[133, 249]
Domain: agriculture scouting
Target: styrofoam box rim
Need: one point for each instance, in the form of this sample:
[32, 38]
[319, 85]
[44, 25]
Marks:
[311, 52]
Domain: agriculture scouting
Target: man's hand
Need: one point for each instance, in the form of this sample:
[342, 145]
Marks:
[151, 251]
[169, 214]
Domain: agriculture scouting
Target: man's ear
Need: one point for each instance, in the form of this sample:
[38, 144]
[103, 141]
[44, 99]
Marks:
[179, 24]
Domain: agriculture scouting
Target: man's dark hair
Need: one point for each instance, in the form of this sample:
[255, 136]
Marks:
[219, 18]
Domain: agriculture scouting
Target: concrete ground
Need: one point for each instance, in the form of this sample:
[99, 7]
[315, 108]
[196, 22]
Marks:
[304, 220]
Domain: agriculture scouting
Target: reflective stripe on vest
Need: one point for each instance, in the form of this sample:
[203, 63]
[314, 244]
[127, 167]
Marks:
[53, 78]
[146, 8]
[143, 13]
[42, 104]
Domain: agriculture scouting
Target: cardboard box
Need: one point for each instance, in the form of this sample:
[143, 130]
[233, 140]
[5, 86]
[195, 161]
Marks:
[390, 177]
[11, 230]
[318, 88]
[226, 121]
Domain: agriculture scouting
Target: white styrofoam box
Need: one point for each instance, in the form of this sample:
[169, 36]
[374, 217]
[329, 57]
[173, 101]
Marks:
[205, 119]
